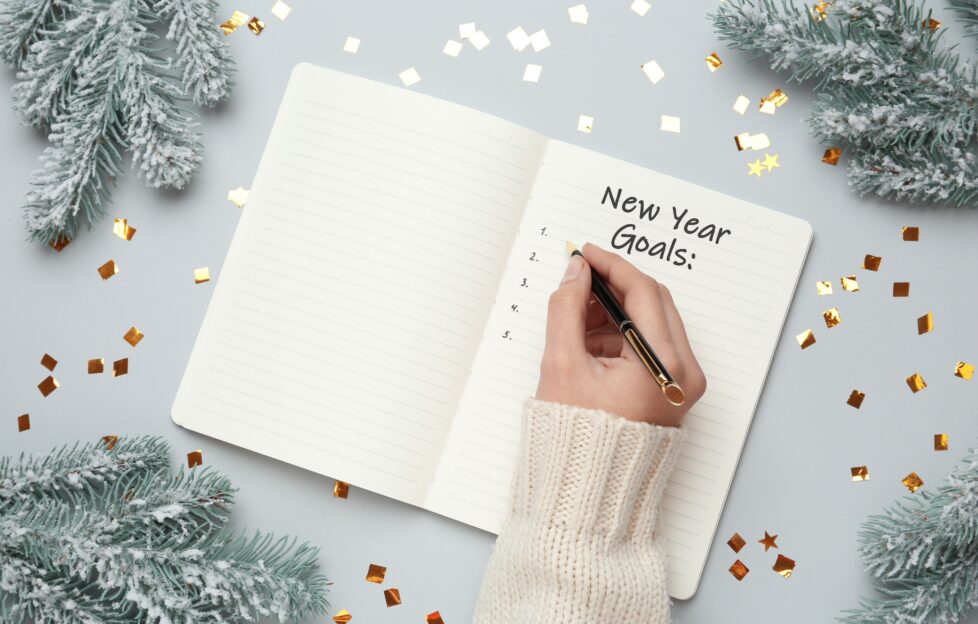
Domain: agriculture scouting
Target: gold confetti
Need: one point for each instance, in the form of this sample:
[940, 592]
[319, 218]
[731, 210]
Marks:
[964, 370]
[824, 288]
[341, 489]
[916, 383]
[872, 263]
[201, 275]
[122, 229]
[352, 45]
[741, 104]
[452, 48]
[281, 10]
[466, 30]
[849, 284]
[736, 542]
[237, 19]
[805, 338]
[434, 617]
[820, 11]
[110, 441]
[931, 24]
[409, 77]
[859, 473]
[342, 616]
[713, 62]
[831, 156]
[578, 14]
[479, 40]
[532, 73]
[831, 317]
[539, 40]
[58, 244]
[238, 196]
[668, 123]
[133, 336]
[108, 269]
[653, 71]
[911, 233]
[48, 362]
[739, 570]
[375, 573]
[195, 458]
[23, 423]
[96, 366]
[768, 541]
[585, 123]
[784, 566]
[49, 385]
[745, 141]
[771, 101]
[856, 399]
[771, 162]
[940, 441]
[925, 324]
[392, 596]
[255, 25]
[755, 168]
[901, 289]
[517, 38]
[641, 7]
[912, 482]
[120, 367]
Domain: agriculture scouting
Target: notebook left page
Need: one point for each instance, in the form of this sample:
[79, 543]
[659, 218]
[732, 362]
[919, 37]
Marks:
[355, 291]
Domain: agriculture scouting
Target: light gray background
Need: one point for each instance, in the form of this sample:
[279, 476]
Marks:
[793, 479]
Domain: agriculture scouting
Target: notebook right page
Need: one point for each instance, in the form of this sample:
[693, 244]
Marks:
[732, 268]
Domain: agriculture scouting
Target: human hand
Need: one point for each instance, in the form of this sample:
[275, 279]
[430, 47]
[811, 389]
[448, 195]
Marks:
[587, 362]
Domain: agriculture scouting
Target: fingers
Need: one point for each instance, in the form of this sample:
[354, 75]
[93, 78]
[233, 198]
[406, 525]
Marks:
[606, 342]
[695, 382]
[567, 313]
[597, 317]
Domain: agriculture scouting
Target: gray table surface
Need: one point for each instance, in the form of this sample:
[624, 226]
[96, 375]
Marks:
[793, 479]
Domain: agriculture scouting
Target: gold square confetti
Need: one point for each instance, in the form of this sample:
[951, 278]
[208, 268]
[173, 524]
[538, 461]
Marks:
[375, 573]
[916, 383]
[820, 11]
[23, 423]
[517, 38]
[805, 339]
[133, 336]
[739, 570]
[745, 141]
[532, 73]
[434, 618]
[122, 229]
[940, 441]
[768, 107]
[120, 367]
[110, 441]
[410, 77]
[774, 99]
[824, 288]
[931, 24]
[466, 30]
[784, 566]
[539, 40]
[713, 62]
[201, 275]
[195, 458]
[342, 616]
[741, 104]
[736, 542]
[58, 244]
[452, 48]
[872, 263]
[831, 156]
[912, 482]
[392, 596]
[108, 269]
[341, 489]
[849, 283]
[237, 19]
[859, 473]
[653, 71]
[925, 324]
[641, 7]
[49, 385]
[352, 45]
[911, 233]
[585, 123]
[855, 399]
[479, 40]
[281, 10]
[831, 317]
[669, 123]
[901, 289]
[238, 196]
[964, 370]
[255, 25]
[578, 14]
[96, 366]
[48, 362]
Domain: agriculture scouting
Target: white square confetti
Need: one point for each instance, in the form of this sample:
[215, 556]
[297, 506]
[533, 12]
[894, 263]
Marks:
[759, 141]
[669, 124]
[410, 77]
[281, 10]
[585, 123]
[351, 45]
[532, 72]
[466, 30]
[653, 71]
[767, 106]
[518, 38]
[539, 40]
[479, 40]
[452, 48]
[578, 14]
[741, 104]
[641, 7]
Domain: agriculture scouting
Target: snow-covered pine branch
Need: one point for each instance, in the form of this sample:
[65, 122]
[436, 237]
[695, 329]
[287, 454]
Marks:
[202, 51]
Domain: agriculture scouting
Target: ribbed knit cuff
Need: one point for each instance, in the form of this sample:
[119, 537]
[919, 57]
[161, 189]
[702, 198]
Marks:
[590, 471]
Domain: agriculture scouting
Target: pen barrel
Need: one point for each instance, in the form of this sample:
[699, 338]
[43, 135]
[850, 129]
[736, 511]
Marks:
[648, 356]
[603, 294]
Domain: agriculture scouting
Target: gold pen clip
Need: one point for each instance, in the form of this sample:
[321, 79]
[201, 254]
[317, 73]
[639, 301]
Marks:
[672, 391]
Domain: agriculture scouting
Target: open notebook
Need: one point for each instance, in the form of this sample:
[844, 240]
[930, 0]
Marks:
[380, 315]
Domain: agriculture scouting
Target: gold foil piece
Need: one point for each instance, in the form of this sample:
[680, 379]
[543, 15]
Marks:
[23, 423]
[195, 458]
[110, 441]
[739, 570]
[133, 336]
[49, 385]
[375, 573]
[48, 362]
[784, 566]
[713, 62]
[670, 123]
[925, 324]
[901, 289]
[931, 24]
[392, 596]
[855, 399]
[410, 77]
[342, 616]
[96, 366]
[532, 73]
[820, 11]
[769, 541]
[238, 196]
[849, 284]
[736, 542]
[831, 156]
[452, 48]
[641, 7]
[201, 275]
[831, 317]
[805, 339]
[341, 489]
[774, 99]
[255, 25]
[120, 367]
[434, 618]
[767, 107]
[58, 244]
[578, 15]
[824, 288]
[122, 229]
[940, 441]
[860, 473]
[745, 141]
[912, 482]
[352, 45]
[964, 370]
[911, 233]
[237, 19]
[108, 269]
[741, 104]
[653, 71]
[916, 383]
[281, 10]
[585, 123]
[872, 263]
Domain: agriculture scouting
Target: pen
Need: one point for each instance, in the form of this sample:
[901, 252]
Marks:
[673, 393]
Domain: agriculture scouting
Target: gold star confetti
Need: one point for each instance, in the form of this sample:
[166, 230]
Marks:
[532, 73]
[831, 156]
[820, 11]
[855, 399]
[860, 473]
[736, 542]
[668, 123]
[872, 263]
[931, 24]
[774, 99]
[133, 336]
[916, 383]
[479, 40]
[517, 38]
[755, 168]
[452, 48]
[49, 385]
[805, 338]
[238, 196]
[110, 441]
[58, 244]
[713, 62]
[375, 573]
[341, 489]
[745, 140]
[653, 71]
[539, 40]
[392, 596]
[237, 19]
[434, 618]
[925, 324]
[48, 362]
[578, 14]
[410, 77]
[342, 616]
[108, 269]
[641, 7]
[768, 541]
[96, 366]
[585, 123]
[23, 423]
[255, 25]
[911, 233]
[824, 288]
[739, 570]
[741, 104]
[849, 283]
[784, 566]
[122, 229]
[195, 458]
[912, 482]
[281, 10]
[201, 275]
[940, 441]
[964, 370]
[120, 367]
[831, 317]
[901, 289]
[771, 162]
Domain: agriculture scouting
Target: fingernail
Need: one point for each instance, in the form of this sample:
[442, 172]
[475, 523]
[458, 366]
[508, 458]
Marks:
[573, 269]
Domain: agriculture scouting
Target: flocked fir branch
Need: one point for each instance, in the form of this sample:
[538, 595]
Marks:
[968, 14]
[904, 105]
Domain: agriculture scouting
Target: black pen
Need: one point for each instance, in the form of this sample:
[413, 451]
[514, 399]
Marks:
[673, 393]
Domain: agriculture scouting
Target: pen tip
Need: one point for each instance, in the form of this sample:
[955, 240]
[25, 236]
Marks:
[570, 247]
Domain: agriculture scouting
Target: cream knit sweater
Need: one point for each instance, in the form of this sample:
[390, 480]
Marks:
[581, 541]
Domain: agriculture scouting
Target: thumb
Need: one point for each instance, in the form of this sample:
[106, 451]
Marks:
[567, 311]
